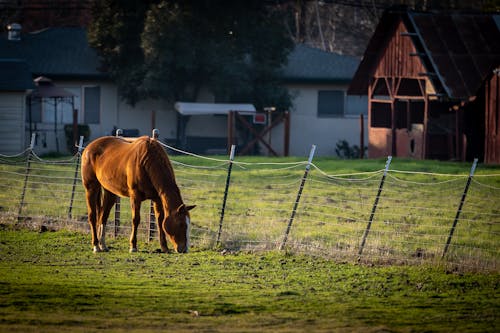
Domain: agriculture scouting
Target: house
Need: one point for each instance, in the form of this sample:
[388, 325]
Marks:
[15, 82]
[431, 81]
[322, 113]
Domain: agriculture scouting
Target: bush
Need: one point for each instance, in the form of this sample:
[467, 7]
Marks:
[83, 129]
[344, 150]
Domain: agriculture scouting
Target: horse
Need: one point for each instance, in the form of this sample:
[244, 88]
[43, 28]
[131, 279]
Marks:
[139, 169]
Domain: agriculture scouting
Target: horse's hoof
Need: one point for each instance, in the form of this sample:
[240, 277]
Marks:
[132, 250]
[96, 249]
[104, 249]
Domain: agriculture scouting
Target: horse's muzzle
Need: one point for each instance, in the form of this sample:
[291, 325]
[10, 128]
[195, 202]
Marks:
[184, 249]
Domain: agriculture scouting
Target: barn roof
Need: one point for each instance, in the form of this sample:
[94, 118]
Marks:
[458, 50]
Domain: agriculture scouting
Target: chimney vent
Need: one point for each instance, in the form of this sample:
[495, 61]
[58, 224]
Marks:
[14, 31]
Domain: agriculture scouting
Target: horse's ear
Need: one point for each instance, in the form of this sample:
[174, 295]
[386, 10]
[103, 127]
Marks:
[184, 209]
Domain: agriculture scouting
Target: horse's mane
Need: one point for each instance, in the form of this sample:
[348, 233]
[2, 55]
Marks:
[157, 164]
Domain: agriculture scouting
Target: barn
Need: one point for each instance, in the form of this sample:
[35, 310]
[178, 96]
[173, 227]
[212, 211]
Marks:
[432, 85]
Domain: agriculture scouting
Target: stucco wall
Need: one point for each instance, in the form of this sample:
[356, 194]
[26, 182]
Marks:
[306, 128]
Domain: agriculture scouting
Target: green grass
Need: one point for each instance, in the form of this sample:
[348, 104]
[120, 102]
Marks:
[52, 282]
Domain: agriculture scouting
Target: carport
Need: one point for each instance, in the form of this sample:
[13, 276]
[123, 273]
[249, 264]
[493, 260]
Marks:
[238, 121]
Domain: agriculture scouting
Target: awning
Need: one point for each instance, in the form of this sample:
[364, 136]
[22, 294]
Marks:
[46, 89]
[193, 109]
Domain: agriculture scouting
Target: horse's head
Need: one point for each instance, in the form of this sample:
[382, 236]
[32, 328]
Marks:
[177, 226]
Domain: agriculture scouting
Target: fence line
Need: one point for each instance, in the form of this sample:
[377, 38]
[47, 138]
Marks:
[404, 218]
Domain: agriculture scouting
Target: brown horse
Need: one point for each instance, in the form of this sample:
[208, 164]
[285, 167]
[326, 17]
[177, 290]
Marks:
[138, 169]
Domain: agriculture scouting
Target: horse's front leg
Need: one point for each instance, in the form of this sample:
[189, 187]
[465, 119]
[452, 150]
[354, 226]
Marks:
[159, 219]
[135, 204]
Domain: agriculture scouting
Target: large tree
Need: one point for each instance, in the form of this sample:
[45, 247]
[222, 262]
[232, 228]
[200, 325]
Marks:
[173, 49]
[115, 31]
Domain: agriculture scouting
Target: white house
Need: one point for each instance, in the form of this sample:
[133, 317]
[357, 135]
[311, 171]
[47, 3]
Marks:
[322, 114]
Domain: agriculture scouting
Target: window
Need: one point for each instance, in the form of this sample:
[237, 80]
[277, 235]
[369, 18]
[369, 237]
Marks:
[331, 103]
[381, 115]
[92, 105]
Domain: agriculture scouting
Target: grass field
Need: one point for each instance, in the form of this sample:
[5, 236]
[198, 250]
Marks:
[52, 282]
[412, 222]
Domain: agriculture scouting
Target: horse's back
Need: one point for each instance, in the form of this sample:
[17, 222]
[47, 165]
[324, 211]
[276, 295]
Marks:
[112, 161]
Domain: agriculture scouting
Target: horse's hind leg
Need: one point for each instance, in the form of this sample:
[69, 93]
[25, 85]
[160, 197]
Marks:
[161, 232]
[108, 200]
[93, 196]
[135, 205]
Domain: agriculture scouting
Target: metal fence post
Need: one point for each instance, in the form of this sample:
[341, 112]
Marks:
[152, 217]
[459, 210]
[299, 194]
[375, 204]
[26, 176]
[118, 133]
[77, 165]
[226, 190]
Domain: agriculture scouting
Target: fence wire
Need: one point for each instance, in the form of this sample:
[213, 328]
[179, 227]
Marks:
[412, 222]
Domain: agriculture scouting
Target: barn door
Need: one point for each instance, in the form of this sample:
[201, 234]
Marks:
[409, 123]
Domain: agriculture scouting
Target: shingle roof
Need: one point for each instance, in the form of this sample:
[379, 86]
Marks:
[459, 49]
[309, 64]
[15, 75]
[54, 52]
[64, 52]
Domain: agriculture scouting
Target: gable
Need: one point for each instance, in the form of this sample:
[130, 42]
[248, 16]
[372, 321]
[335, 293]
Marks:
[400, 57]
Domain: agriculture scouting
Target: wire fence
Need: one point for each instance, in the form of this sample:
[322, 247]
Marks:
[385, 215]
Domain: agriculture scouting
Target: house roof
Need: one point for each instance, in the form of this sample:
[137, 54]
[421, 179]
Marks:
[459, 50]
[15, 75]
[65, 53]
[55, 52]
[307, 64]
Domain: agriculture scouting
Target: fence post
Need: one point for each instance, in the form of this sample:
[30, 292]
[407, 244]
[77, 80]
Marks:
[118, 133]
[152, 217]
[375, 204]
[78, 157]
[459, 210]
[26, 176]
[299, 194]
[226, 190]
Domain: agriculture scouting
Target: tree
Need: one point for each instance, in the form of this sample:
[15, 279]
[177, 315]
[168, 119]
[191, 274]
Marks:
[115, 32]
[171, 49]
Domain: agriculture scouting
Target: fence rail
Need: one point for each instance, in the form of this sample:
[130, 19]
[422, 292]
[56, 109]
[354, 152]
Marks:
[383, 215]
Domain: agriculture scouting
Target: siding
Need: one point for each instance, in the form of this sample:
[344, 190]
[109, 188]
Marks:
[12, 115]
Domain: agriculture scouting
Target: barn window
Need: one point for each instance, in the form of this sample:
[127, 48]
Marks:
[381, 115]
[331, 103]
[92, 105]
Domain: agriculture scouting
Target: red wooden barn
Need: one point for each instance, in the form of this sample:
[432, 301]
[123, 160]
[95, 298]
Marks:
[432, 84]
